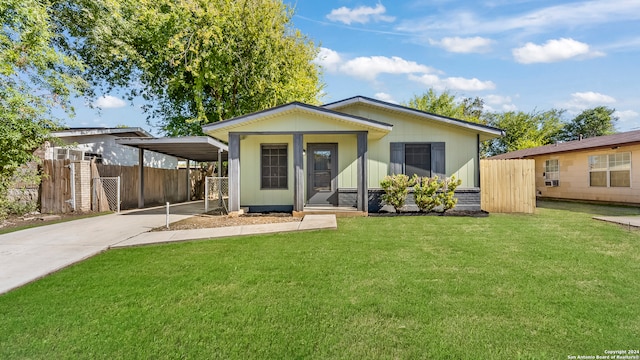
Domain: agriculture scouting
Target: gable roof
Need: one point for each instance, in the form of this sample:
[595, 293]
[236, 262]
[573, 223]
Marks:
[489, 131]
[625, 138]
[88, 131]
[230, 124]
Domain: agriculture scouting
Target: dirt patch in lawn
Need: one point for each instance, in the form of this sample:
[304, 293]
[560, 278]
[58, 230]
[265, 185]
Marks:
[216, 219]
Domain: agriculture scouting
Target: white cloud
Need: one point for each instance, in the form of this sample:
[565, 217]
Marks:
[109, 102]
[584, 100]
[369, 68]
[463, 45]
[361, 14]
[591, 97]
[328, 59]
[585, 13]
[385, 97]
[502, 102]
[628, 120]
[626, 115]
[453, 83]
[553, 51]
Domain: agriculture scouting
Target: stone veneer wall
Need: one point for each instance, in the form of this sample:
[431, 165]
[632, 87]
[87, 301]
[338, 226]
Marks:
[468, 200]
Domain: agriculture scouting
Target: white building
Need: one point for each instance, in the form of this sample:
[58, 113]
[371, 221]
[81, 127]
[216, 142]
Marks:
[99, 143]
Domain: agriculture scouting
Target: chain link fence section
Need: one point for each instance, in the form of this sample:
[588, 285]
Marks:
[106, 194]
[216, 193]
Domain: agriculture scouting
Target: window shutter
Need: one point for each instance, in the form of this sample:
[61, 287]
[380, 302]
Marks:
[397, 158]
[437, 160]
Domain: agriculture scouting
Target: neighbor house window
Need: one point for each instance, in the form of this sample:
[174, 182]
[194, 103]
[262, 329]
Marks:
[551, 172]
[612, 170]
[273, 166]
[422, 159]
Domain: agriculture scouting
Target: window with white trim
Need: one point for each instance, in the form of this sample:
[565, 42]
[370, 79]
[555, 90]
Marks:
[551, 172]
[613, 170]
[273, 166]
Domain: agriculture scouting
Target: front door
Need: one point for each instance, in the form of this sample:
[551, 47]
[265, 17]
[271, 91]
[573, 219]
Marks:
[322, 181]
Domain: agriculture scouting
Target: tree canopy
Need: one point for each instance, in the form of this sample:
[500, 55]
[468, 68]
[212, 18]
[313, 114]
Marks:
[35, 79]
[597, 121]
[446, 104]
[195, 62]
[523, 130]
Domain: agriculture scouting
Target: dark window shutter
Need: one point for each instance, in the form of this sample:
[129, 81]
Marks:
[397, 158]
[437, 160]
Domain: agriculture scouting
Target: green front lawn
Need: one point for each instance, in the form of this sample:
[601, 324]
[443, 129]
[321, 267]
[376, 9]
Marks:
[542, 286]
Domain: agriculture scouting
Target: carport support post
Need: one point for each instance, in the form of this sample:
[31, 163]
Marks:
[188, 178]
[140, 178]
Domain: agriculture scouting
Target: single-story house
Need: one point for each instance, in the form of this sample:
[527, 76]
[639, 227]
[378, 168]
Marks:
[593, 169]
[298, 155]
[100, 144]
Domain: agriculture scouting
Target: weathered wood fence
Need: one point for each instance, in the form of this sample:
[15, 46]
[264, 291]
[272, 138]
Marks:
[508, 186]
[160, 185]
[55, 187]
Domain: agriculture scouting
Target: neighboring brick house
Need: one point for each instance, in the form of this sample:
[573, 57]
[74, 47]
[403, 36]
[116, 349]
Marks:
[593, 169]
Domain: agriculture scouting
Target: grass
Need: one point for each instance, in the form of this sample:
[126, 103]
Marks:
[538, 286]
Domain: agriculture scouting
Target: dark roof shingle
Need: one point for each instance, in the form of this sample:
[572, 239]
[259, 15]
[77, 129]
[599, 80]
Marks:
[619, 139]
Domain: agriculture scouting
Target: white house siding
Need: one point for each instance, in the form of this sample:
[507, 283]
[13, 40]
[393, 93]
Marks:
[116, 154]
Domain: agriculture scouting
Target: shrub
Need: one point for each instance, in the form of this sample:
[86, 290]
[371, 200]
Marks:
[425, 192]
[396, 188]
[447, 195]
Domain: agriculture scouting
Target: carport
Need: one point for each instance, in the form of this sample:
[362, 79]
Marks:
[189, 148]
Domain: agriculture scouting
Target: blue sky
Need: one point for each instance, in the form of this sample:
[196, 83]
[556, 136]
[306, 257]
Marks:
[515, 54]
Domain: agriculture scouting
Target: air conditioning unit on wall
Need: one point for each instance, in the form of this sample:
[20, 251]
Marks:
[551, 182]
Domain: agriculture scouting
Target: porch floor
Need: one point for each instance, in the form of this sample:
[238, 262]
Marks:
[338, 211]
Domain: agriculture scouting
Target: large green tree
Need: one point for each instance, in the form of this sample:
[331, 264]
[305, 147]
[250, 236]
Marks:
[446, 104]
[194, 61]
[35, 79]
[523, 130]
[597, 121]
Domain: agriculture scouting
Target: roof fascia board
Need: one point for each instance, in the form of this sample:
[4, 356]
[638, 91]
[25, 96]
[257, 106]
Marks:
[302, 107]
[106, 131]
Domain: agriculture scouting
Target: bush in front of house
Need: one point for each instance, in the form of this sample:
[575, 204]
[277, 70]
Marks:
[447, 194]
[396, 187]
[425, 192]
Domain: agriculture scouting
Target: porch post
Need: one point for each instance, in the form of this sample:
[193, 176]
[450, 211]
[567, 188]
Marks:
[140, 178]
[363, 189]
[188, 180]
[298, 172]
[234, 172]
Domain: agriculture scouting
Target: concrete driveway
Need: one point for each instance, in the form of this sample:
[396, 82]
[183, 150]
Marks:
[30, 254]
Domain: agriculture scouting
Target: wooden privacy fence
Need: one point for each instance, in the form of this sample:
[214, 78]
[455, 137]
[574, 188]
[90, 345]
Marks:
[508, 186]
[160, 185]
[67, 186]
[55, 188]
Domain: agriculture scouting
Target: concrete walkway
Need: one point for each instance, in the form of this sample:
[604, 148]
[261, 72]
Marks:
[30, 254]
[622, 220]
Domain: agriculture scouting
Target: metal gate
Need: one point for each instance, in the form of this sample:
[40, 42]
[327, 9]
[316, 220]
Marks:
[106, 193]
[216, 193]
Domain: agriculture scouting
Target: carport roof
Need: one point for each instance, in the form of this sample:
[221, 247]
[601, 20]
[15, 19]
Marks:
[196, 148]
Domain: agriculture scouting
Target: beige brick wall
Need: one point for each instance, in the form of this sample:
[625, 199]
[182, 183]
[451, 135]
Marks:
[574, 177]
[83, 185]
